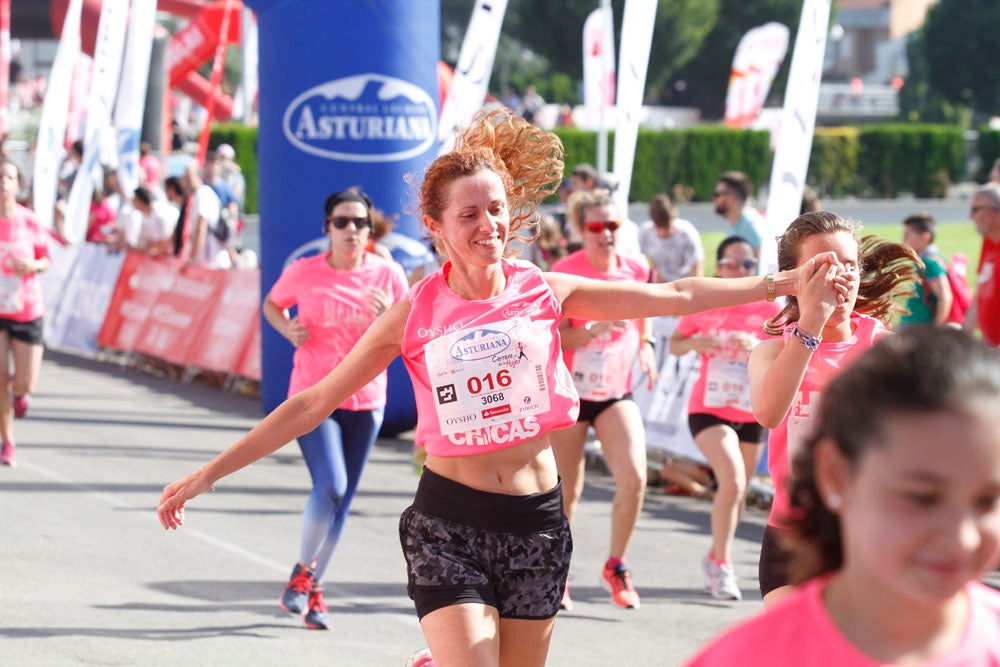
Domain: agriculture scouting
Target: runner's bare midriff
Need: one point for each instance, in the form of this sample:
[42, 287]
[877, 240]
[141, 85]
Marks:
[526, 468]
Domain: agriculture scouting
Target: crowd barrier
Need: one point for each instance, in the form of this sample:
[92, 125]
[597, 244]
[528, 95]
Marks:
[99, 299]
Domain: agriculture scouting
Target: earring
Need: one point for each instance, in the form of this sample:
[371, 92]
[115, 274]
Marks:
[833, 501]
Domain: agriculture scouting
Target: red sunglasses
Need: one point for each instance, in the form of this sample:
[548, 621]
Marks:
[599, 226]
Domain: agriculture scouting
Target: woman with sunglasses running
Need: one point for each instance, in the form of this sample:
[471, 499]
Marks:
[486, 542]
[338, 294]
[600, 356]
[719, 412]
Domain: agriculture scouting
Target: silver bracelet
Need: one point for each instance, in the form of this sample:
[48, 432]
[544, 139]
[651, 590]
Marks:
[811, 342]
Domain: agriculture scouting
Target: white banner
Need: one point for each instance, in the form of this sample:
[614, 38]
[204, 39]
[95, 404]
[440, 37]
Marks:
[83, 301]
[49, 148]
[131, 102]
[798, 121]
[4, 66]
[249, 81]
[472, 72]
[758, 57]
[633, 62]
[598, 67]
[103, 84]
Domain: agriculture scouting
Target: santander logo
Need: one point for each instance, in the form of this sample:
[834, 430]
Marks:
[363, 118]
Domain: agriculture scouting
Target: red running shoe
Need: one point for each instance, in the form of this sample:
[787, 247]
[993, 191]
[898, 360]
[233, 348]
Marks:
[8, 456]
[620, 584]
[317, 618]
[20, 404]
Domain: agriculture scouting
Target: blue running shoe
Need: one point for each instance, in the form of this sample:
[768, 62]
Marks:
[296, 595]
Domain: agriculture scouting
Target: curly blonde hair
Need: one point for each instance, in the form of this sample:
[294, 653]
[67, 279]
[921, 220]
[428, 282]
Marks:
[528, 160]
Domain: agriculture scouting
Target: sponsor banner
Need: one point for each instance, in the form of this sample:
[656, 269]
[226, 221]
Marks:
[4, 66]
[54, 279]
[328, 122]
[249, 364]
[81, 308]
[52, 124]
[229, 325]
[598, 67]
[756, 62]
[248, 73]
[665, 409]
[472, 71]
[633, 61]
[132, 92]
[139, 284]
[103, 86]
[798, 121]
[178, 316]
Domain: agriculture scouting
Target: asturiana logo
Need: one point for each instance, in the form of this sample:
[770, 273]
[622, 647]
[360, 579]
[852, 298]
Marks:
[479, 344]
[363, 118]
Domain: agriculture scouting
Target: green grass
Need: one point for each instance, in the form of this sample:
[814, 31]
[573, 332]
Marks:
[951, 238]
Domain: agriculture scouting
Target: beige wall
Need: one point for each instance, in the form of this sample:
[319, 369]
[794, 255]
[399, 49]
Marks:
[905, 16]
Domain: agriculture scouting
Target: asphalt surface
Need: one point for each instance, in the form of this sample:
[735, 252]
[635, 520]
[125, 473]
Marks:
[88, 577]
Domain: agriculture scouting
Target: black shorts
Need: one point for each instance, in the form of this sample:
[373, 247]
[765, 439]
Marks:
[745, 431]
[29, 332]
[591, 410]
[464, 546]
[772, 571]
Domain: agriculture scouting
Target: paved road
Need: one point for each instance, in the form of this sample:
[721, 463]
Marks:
[87, 576]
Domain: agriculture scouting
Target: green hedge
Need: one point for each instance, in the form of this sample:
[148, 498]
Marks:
[920, 159]
[243, 139]
[685, 162]
[874, 160]
[833, 162]
[989, 150]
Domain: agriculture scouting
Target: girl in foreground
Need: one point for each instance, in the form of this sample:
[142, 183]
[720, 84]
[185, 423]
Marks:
[821, 335]
[897, 514]
[486, 541]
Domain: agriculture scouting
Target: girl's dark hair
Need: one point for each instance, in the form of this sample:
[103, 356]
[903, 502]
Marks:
[923, 369]
[888, 270]
[528, 160]
[728, 241]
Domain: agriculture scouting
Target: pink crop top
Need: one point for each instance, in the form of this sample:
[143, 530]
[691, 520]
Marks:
[487, 374]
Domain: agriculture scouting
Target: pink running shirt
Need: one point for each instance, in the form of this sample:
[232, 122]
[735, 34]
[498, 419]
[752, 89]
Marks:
[798, 632]
[21, 295]
[723, 386]
[787, 438]
[602, 369]
[487, 374]
[332, 304]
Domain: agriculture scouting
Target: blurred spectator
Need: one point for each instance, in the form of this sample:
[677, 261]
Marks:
[232, 173]
[67, 173]
[157, 222]
[671, 243]
[733, 199]
[101, 226]
[533, 103]
[203, 246]
[810, 201]
[931, 301]
[151, 168]
[984, 314]
[995, 172]
[565, 116]
[174, 190]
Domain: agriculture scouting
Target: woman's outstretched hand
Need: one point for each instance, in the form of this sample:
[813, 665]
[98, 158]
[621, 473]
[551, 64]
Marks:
[175, 496]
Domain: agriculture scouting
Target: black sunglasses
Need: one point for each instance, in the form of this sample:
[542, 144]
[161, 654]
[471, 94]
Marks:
[341, 221]
[747, 263]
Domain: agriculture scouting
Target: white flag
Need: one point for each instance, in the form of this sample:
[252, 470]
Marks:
[798, 121]
[472, 72]
[598, 66]
[755, 64]
[249, 75]
[52, 125]
[633, 62]
[132, 92]
[103, 85]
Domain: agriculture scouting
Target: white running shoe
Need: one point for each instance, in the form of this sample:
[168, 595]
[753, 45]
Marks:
[722, 581]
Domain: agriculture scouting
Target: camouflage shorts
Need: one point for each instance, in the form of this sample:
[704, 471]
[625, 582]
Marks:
[522, 574]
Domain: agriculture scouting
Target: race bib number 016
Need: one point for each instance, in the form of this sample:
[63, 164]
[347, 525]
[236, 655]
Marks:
[491, 374]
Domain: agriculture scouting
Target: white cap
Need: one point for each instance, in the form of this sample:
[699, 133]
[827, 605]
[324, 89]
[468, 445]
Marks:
[225, 151]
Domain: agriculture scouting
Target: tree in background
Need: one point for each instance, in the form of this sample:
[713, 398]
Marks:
[962, 50]
[919, 100]
[703, 82]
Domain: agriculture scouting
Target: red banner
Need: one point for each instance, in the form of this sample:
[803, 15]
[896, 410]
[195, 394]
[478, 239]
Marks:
[139, 284]
[178, 318]
[249, 364]
[229, 326]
